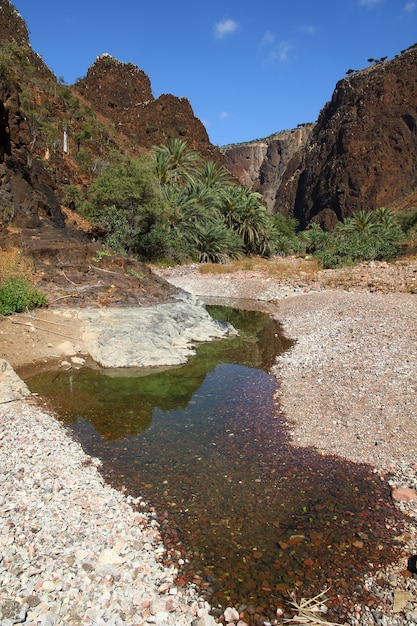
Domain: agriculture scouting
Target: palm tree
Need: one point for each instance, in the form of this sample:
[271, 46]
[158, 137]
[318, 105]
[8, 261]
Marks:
[175, 162]
[216, 243]
[362, 222]
[214, 175]
[245, 213]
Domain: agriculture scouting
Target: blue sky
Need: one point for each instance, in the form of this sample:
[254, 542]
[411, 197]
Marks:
[248, 68]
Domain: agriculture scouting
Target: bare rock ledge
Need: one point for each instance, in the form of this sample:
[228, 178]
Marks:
[164, 334]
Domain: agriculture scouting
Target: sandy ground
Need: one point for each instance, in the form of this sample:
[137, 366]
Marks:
[32, 340]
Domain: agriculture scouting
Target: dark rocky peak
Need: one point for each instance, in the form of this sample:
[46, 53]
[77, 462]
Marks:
[363, 149]
[113, 87]
[122, 93]
[14, 40]
[12, 25]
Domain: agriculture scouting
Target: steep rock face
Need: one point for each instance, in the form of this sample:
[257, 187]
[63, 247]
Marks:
[27, 189]
[122, 93]
[363, 149]
[12, 25]
[260, 164]
[13, 30]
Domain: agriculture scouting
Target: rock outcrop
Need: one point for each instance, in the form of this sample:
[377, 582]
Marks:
[111, 109]
[116, 112]
[260, 164]
[122, 93]
[11, 386]
[363, 149]
[162, 335]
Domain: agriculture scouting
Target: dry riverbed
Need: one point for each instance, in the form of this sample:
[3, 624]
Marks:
[77, 552]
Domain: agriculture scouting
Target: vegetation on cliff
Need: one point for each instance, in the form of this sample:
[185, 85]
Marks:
[88, 147]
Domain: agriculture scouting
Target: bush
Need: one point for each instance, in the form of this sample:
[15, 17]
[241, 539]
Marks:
[366, 236]
[284, 235]
[18, 294]
[164, 244]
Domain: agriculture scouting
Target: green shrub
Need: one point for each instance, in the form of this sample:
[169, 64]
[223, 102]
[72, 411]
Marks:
[162, 243]
[284, 235]
[366, 236]
[18, 294]
[407, 219]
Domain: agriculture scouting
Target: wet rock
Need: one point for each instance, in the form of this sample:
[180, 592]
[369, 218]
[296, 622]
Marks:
[412, 564]
[404, 494]
[231, 615]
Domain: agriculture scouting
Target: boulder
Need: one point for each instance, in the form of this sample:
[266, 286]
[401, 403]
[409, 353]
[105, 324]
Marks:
[161, 335]
[11, 386]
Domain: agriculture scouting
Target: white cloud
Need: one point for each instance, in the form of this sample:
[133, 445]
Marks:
[280, 53]
[409, 7]
[369, 3]
[225, 27]
[268, 38]
[224, 115]
[283, 50]
[309, 29]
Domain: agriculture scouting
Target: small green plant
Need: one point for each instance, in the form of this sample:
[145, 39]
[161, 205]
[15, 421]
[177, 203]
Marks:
[100, 254]
[135, 274]
[18, 294]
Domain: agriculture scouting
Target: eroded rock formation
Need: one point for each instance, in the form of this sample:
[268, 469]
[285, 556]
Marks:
[260, 164]
[122, 93]
[362, 152]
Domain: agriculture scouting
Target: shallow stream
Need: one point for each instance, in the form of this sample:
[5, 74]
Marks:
[251, 516]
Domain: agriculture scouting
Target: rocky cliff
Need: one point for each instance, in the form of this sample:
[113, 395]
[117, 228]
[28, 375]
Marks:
[55, 138]
[260, 164]
[122, 93]
[362, 153]
[35, 170]
[53, 135]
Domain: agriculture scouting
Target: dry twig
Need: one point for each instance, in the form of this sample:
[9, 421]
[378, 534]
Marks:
[308, 610]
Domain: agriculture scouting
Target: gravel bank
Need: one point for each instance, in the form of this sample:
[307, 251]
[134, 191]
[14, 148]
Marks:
[74, 550]
[349, 386]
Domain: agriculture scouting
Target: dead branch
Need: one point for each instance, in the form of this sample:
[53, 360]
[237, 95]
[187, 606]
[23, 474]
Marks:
[46, 330]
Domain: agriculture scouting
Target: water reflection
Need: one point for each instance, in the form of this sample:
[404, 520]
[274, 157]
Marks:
[121, 402]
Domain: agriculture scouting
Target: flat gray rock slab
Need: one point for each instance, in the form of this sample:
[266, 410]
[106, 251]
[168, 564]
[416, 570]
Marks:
[11, 386]
[164, 334]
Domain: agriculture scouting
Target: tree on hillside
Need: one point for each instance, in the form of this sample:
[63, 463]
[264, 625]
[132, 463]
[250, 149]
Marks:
[175, 163]
[126, 201]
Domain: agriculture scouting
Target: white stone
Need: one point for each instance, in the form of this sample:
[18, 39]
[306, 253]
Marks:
[231, 615]
[109, 557]
[11, 386]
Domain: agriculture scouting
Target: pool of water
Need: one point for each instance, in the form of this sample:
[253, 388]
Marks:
[252, 516]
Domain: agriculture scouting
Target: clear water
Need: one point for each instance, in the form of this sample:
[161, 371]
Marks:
[252, 516]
